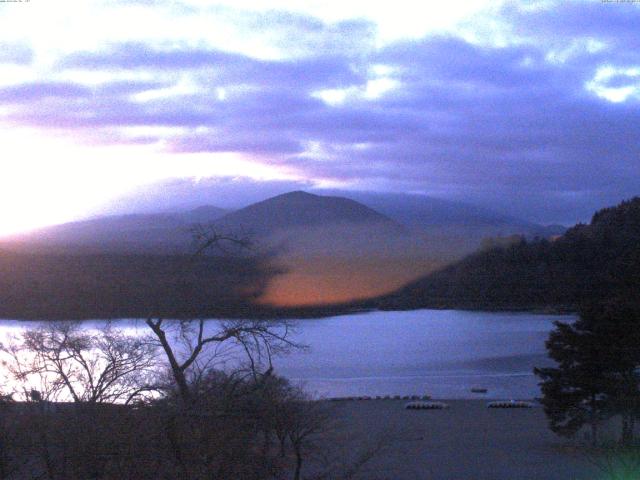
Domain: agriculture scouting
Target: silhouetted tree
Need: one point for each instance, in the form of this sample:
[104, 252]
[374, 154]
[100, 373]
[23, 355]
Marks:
[573, 393]
[191, 345]
[77, 384]
[64, 361]
[597, 374]
[616, 324]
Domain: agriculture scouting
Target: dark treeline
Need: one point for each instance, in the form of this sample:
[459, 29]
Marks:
[587, 263]
[80, 286]
[234, 429]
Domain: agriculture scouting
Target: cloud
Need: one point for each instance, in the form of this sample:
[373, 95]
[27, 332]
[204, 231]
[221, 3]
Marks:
[189, 193]
[15, 53]
[39, 91]
[219, 66]
[614, 23]
[127, 56]
[532, 125]
[254, 143]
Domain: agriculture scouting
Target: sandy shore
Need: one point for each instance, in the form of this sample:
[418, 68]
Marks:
[466, 441]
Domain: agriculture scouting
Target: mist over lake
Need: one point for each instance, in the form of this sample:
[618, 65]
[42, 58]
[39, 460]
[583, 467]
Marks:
[443, 353]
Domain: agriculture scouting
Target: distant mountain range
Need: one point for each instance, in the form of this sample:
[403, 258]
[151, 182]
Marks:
[422, 211]
[589, 262]
[328, 249]
[148, 233]
[317, 255]
[461, 227]
[452, 229]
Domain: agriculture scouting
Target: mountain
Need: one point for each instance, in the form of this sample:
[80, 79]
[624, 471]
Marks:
[417, 210]
[450, 229]
[588, 262]
[326, 249]
[203, 214]
[173, 231]
[332, 249]
[148, 233]
[300, 209]
[448, 219]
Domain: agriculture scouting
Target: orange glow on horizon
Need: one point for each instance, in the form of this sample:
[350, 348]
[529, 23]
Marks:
[326, 280]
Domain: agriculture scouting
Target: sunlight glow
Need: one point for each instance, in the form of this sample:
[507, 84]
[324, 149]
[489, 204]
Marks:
[394, 20]
[54, 180]
[335, 96]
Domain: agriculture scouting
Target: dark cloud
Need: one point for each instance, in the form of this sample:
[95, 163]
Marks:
[66, 91]
[220, 67]
[557, 22]
[454, 60]
[213, 142]
[511, 127]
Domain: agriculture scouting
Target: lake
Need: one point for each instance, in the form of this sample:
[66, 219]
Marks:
[443, 353]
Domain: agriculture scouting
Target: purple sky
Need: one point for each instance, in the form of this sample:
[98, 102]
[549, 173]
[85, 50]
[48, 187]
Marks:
[530, 108]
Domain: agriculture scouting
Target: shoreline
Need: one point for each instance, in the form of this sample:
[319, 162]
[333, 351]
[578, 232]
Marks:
[306, 313]
[425, 398]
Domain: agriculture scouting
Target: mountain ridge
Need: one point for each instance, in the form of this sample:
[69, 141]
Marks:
[301, 209]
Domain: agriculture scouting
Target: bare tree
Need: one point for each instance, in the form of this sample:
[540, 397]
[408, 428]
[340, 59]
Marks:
[192, 346]
[64, 361]
[218, 416]
[98, 371]
[207, 238]
[305, 424]
[189, 346]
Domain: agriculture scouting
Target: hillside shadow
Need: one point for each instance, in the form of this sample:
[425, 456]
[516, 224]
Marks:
[69, 285]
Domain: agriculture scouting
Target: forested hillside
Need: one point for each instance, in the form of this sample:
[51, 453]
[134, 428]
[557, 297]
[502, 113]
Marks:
[588, 262]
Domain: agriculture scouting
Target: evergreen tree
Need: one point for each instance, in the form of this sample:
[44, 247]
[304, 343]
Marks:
[616, 325]
[597, 374]
[574, 391]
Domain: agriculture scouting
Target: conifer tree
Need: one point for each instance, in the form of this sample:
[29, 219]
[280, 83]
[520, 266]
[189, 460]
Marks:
[597, 373]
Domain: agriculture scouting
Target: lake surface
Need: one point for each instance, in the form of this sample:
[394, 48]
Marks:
[443, 353]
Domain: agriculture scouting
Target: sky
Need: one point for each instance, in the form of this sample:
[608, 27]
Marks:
[530, 108]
